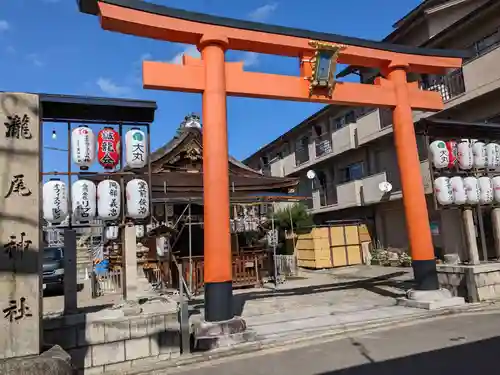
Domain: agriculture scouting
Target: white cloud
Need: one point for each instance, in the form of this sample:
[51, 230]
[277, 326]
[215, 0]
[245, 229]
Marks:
[145, 56]
[108, 87]
[190, 50]
[250, 59]
[135, 76]
[4, 25]
[35, 59]
[262, 13]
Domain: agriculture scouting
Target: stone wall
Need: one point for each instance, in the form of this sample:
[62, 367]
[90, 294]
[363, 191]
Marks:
[20, 265]
[114, 344]
[474, 283]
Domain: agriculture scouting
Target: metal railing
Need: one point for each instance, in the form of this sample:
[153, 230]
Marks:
[449, 85]
[323, 144]
[109, 282]
[286, 265]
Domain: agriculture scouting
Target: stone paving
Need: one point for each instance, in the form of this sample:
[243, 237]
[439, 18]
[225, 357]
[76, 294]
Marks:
[345, 289]
[315, 301]
[342, 289]
[322, 300]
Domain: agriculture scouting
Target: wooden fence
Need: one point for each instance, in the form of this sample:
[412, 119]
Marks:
[248, 270]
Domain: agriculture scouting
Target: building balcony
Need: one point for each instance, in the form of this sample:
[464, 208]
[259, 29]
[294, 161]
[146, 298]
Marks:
[481, 74]
[449, 86]
[342, 196]
[349, 194]
[323, 198]
[373, 125]
[301, 156]
[370, 192]
[344, 139]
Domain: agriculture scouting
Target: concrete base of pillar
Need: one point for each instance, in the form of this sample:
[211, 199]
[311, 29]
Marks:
[213, 335]
[430, 299]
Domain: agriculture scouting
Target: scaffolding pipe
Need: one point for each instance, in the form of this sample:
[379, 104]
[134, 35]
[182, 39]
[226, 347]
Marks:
[274, 249]
[190, 250]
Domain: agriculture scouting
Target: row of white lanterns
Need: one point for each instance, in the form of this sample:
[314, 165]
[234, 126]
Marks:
[468, 190]
[90, 202]
[83, 147]
[467, 154]
[112, 232]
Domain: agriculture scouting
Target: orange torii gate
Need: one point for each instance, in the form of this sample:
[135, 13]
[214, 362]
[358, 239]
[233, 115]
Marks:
[317, 54]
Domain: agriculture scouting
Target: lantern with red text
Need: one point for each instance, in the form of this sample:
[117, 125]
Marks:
[108, 143]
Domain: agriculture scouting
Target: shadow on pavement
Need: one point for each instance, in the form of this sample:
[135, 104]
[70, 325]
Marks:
[479, 357]
[372, 284]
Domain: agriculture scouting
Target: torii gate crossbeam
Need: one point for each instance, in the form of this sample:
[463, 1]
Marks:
[215, 79]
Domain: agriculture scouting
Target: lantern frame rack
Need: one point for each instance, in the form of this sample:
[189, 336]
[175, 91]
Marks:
[106, 112]
[456, 171]
[452, 130]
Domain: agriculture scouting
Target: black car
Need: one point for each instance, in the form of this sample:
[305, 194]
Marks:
[53, 267]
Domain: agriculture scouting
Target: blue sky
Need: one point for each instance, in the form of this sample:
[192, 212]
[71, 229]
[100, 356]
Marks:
[48, 46]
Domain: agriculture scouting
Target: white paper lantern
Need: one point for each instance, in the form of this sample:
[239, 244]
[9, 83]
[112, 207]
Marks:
[135, 148]
[485, 190]
[458, 189]
[139, 231]
[439, 154]
[108, 200]
[464, 155]
[137, 199]
[493, 155]
[160, 246]
[478, 155]
[442, 189]
[55, 201]
[472, 190]
[83, 200]
[495, 181]
[111, 233]
[83, 147]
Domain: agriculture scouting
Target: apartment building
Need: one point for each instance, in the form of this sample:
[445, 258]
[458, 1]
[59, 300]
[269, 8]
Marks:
[351, 150]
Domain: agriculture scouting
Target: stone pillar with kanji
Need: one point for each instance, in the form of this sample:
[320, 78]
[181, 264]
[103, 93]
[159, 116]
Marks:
[20, 231]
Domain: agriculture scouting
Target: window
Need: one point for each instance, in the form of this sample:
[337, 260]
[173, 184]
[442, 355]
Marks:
[485, 44]
[266, 168]
[302, 150]
[346, 119]
[318, 130]
[352, 172]
[350, 117]
[303, 142]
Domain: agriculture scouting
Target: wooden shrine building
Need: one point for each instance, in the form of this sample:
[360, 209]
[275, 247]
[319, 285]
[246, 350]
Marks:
[177, 195]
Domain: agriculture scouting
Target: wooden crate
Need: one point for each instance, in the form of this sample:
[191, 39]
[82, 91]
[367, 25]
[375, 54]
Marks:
[327, 247]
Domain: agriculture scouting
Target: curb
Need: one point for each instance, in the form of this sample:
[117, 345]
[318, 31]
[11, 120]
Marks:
[308, 337]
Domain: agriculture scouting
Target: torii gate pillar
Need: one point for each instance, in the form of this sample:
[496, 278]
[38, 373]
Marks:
[415, 205]
[217, 252]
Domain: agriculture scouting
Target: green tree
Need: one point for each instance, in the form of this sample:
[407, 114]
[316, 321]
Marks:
[296, 214]
[283, 219]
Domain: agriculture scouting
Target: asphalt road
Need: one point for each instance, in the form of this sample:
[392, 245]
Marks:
[454, 345]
